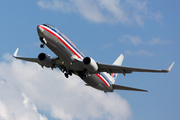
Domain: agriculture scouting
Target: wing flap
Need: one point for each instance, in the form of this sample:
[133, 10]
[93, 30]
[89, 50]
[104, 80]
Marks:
[120, 87]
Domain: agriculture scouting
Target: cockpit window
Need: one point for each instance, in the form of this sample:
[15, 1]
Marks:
[52, 27]
[45, 24]
[48, 25]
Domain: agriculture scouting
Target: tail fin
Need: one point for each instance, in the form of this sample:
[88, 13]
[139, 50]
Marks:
[118, 61]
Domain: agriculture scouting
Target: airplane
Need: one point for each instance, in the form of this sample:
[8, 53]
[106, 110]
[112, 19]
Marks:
[70, 60]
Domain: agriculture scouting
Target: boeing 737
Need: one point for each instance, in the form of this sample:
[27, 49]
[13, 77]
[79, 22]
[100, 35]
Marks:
[70, 60]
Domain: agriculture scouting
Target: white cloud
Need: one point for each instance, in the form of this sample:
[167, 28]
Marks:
[106, 46]
[139, 53]
[4, 112]
[56, 5]
[156, 41]
[109, 11]
[136, 40]
[26, 89]
[89, 10]
[13, 106]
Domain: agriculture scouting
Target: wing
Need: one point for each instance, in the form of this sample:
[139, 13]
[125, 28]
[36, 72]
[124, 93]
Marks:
[121, 69]
[23, 58]
[55, 60]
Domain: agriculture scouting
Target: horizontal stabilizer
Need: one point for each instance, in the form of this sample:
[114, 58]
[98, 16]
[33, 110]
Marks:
[120, 87]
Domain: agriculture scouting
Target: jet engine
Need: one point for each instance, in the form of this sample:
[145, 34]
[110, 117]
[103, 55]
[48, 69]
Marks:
[45, 60]
[90, 64]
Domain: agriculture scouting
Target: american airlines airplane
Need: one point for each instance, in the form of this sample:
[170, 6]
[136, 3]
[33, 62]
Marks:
[70, 60]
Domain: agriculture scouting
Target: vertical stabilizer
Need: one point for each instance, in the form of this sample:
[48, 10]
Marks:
[118, 61]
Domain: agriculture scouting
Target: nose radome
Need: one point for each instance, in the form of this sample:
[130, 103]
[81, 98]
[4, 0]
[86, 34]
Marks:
[39, 29]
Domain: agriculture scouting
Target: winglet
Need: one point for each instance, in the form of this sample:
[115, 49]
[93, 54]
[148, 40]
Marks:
[15, 53]
[170, 67]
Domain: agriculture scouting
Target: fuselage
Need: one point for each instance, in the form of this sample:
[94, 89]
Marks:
[67, 52]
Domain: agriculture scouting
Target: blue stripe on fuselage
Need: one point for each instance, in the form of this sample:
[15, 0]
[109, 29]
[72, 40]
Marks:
[78, 51]
[106, 78]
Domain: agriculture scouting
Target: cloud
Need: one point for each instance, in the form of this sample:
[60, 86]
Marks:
[105, 11]
[106, 46]
[26, 89]
[139, 53]
[136, 40]
[55, 5]
[140, 12]
[15, 106]
[157, 41]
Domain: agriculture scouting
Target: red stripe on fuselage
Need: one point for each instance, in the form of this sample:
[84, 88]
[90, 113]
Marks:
[102, 80]
[60, 40]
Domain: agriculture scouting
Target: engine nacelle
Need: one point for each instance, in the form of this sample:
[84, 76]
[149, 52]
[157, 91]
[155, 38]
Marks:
[45, 60]
[90, 64]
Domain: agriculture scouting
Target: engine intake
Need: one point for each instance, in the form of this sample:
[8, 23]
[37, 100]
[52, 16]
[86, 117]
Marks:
[87, 60]
[42, 56]
[90, 64]
[45, 60]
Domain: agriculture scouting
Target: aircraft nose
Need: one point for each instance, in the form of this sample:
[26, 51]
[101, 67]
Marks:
[40, 30]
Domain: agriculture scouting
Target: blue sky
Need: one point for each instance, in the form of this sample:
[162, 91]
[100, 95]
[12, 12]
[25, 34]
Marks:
[146, 32]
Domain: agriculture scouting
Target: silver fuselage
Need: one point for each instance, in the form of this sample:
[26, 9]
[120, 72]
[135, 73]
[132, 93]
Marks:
[67, 52]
